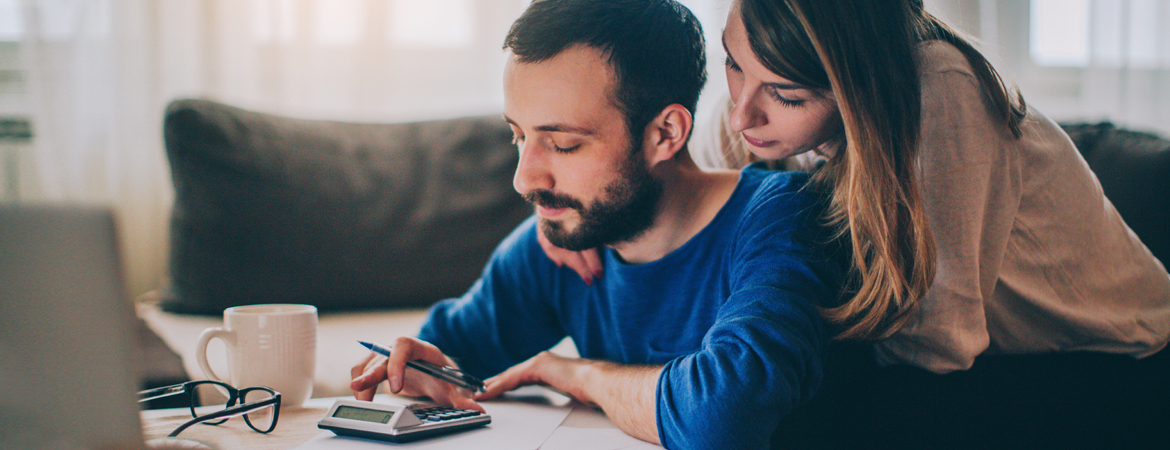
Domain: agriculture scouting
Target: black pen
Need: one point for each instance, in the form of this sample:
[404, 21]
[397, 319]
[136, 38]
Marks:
[448, 374]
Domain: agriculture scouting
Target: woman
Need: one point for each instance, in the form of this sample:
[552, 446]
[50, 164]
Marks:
[977, 228]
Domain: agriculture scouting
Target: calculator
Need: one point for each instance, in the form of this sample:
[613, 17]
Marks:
[398, 423]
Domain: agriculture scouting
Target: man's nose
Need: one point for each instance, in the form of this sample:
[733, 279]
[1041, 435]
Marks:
[531, 171]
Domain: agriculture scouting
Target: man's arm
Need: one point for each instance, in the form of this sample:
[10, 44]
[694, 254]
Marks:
[753, 370]
[499, 322]
[627, 393]
[760, 359]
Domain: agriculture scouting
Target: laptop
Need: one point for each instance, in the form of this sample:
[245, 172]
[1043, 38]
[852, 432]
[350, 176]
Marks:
[67, 347]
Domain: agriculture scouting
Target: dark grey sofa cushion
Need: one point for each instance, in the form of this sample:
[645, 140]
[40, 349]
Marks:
[1134, 170]
[339, 215]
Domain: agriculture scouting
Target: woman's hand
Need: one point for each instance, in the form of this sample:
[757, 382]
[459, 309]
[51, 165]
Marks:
[586, 263]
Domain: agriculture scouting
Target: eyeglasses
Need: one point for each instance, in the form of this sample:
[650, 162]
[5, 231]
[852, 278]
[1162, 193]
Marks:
[260, 406]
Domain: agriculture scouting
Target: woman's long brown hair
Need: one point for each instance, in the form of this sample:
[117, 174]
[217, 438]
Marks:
[864, 51]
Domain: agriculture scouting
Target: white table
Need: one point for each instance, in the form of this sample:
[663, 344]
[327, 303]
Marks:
[579, 427]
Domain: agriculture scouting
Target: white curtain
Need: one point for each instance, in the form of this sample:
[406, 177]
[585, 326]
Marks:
[1127, 75]
[95, 101]
[99, 73]
[1078, 59]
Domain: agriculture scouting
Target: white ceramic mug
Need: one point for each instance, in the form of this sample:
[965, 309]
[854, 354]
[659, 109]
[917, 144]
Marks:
[268, 345]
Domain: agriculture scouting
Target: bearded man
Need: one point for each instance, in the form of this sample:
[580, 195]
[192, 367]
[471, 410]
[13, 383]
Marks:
[705, 330]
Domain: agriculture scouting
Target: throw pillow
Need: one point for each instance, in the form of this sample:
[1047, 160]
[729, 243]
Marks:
[344, 216]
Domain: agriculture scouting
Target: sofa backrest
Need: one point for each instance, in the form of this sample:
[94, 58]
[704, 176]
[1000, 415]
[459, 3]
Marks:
[345, 216]
[1134, 170]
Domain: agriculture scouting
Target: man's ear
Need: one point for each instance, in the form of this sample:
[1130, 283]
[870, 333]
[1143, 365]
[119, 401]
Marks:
[667, 134]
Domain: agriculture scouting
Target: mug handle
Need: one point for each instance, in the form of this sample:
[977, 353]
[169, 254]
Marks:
[228, 337]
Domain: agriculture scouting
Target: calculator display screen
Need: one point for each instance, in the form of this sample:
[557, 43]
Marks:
[364, 415]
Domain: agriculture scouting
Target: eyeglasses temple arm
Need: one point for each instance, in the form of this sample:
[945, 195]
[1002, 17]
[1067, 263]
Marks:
[151, 394]
[229, 413]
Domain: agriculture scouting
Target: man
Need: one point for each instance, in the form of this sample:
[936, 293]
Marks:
[704, 332]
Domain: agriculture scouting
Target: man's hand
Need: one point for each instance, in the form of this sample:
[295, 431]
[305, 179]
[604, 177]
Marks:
[545, 369]
[626, 393]
[586, 263]
[376, 368]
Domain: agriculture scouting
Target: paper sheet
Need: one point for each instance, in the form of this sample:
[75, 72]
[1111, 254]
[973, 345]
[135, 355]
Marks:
[588, 428]
[521, 421]
[568, 438]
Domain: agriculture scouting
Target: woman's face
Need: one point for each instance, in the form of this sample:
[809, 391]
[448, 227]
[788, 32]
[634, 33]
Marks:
[777, 117]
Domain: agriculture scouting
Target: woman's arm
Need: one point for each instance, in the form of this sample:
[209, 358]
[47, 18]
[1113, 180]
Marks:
[972, 186]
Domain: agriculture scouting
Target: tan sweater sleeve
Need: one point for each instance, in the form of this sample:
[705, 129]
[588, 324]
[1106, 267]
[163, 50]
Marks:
[970, 177]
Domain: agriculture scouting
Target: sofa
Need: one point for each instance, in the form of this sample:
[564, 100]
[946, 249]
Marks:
[372, 222]
[1133, 168]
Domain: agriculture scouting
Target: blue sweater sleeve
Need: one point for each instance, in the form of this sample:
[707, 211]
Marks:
[764, 354]
[507, 316]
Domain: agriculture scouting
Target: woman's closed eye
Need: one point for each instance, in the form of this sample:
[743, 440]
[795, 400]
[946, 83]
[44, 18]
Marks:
[730, 63]
[774, 92]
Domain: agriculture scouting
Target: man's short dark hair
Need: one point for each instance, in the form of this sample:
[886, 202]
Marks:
[655, 48]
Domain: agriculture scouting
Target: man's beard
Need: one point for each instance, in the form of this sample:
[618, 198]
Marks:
[625, 210]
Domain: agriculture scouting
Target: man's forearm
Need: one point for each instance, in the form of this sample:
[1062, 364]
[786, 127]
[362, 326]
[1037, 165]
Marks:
[627, 394]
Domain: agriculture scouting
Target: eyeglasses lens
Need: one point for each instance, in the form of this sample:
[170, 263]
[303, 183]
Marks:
[211, 395]
[260, 419]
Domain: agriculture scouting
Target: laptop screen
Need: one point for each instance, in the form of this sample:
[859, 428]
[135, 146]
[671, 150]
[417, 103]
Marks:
[67, 374]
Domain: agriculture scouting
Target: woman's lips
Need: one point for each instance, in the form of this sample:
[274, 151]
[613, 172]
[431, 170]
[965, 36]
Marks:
[549, 213]
[757, 142]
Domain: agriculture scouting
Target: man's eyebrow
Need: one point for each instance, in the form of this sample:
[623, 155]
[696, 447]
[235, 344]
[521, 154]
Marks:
[557, 128]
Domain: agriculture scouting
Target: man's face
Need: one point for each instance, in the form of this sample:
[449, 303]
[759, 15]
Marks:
[588, 179]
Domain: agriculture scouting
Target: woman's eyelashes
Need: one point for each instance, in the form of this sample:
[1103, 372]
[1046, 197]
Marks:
[774, 92]
[730, 63]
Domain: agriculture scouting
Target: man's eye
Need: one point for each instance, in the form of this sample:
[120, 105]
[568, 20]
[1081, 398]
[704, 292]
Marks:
[566, 150]
[516, 140]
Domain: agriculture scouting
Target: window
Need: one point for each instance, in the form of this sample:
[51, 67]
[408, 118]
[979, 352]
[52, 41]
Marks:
[11, 25]
[340, 23]
[431, 23]
[1060, 32]
[1104, 33]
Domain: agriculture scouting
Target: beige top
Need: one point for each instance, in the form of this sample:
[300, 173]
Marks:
[1032, 258]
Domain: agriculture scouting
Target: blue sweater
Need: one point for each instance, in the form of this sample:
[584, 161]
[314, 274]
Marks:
[731, 314]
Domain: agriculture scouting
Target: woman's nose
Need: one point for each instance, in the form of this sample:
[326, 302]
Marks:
[745, 112]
